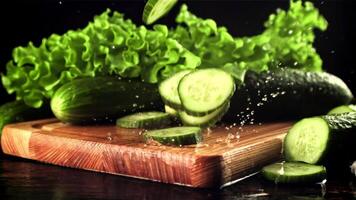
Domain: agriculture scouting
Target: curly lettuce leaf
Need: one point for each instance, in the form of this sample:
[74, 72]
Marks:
[286, 42]
[109, 45]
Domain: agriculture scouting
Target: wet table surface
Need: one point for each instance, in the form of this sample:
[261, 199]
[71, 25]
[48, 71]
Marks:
[25, 179]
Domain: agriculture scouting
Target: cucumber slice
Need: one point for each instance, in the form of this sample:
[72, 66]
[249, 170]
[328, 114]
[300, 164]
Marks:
[145, 120]
[171, 111]
[206, 120]
[176, 136]
[203, 91]
[168, 89]
[294, 172]
[307, 140]
[155, 9]
[310, 140]
[342, 109]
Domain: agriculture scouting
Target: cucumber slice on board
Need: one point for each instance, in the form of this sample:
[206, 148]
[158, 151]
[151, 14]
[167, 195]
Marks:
[206, 120]
[311, 139]
[184, 135]
[155, 9]
[294, 172]
[168, 89]
[203, 91]
[144, 120]
[342, 109]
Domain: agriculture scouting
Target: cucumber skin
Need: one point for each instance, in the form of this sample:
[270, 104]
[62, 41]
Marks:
[315, 94]
[342, 142]
[103, 99]
[18, 111]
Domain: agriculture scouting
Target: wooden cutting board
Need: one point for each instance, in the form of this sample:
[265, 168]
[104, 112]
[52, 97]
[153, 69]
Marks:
[221, 159]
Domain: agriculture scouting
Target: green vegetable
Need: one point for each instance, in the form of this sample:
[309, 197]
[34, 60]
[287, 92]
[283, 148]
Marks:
[206, 120]
[286, 41]
[343, 109]
[204, 91]
[111, 45]
[145, 120]
[18, 111]
[311, 139]
[168, 90]
[171, 111]
[155, 9]
[287, 94]
[294, 172]
[175, 136]
[91, 100]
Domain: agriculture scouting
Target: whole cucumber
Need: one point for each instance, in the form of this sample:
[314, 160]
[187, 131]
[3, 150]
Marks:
[103, 99]
[287, 94]
[18, 111]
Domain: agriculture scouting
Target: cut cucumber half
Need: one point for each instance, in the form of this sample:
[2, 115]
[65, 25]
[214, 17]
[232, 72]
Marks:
[203, 91]
[342, 109]
[307, 140]
[155, 9]
[311, 140]
[168, 89]
[145, 120]
[184, 135]
[206, 120]
[294, 172]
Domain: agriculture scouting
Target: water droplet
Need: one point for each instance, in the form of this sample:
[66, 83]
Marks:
[137, 96]
[134, 105]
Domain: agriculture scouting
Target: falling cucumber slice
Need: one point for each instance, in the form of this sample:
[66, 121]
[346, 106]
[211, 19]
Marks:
[168, 89]
[178, 136]
[155, 9]
[294, 172]
[203, 91]
[145, 120]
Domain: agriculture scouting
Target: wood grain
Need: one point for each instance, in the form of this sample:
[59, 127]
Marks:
[215, 162]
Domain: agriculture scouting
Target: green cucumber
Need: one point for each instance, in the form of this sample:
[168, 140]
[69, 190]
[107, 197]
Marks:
[168, 90]
[206, 120]
[103, 99]
[151, 119]
[310, 140]
[155, 9]
[171, 111]
[18, 111]
[178, 136]
[288, 94]
[294, 172]
[342, 109]
[203, 91]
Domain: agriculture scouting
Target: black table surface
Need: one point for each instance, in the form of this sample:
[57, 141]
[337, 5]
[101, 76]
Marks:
[26, 179]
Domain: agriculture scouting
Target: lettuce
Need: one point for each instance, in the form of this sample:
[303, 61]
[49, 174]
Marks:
[112, 45]
[286, 41]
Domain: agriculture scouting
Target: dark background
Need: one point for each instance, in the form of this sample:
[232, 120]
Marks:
[24, 21]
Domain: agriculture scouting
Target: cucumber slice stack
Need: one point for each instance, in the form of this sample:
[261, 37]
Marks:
[200, 97]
